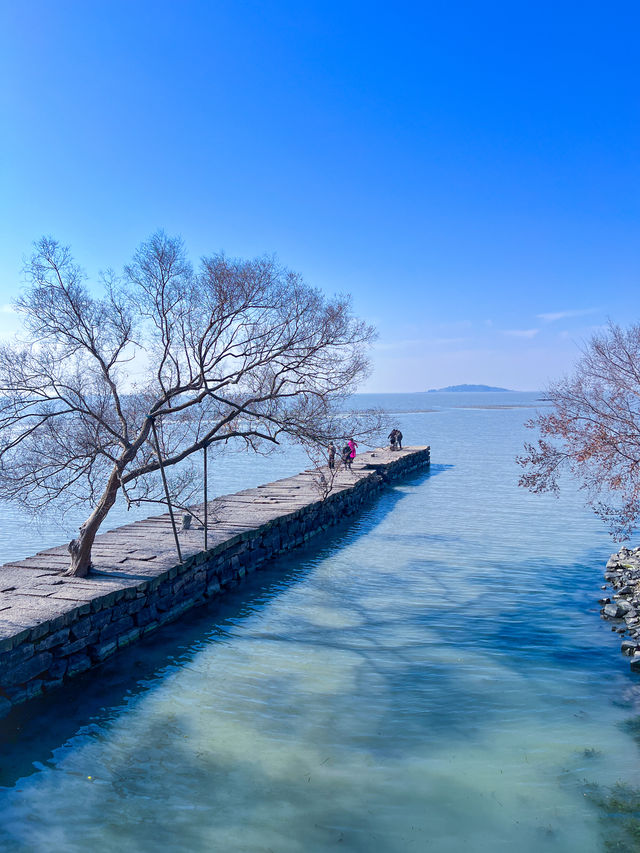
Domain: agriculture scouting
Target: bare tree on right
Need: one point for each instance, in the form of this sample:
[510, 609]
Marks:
[592, 430]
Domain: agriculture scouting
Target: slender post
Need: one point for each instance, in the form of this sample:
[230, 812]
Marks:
[206, 509]
[166, 487]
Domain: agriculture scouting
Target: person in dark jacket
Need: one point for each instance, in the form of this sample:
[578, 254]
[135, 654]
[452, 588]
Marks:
[331, 451]
[346, 456]
[395, 439]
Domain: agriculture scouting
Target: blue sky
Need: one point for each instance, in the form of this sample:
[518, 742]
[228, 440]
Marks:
[468, 171]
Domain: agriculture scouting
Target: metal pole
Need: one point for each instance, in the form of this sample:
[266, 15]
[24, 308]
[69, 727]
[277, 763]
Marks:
[206, 510]
[166, 487]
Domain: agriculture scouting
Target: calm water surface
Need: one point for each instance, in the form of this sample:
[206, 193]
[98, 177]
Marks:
[434, 676]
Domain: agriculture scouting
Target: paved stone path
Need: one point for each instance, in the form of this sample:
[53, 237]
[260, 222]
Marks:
[33, 591]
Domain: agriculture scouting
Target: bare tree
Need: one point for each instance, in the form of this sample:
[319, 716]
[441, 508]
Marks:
[324, 477]
[593, 430]
[234, 350]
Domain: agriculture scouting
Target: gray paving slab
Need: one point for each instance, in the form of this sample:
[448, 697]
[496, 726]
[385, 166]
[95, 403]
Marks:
[33, 590]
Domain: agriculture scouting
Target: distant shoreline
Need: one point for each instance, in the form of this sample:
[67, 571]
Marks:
[505, 391]
[469, 389]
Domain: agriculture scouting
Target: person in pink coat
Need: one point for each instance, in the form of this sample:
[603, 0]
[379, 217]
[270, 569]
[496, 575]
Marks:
[352, 444]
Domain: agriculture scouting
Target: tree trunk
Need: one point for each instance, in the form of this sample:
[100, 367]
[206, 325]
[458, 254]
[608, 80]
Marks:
[80, 548]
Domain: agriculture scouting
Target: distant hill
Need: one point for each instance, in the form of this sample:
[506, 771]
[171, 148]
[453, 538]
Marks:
[467, 388]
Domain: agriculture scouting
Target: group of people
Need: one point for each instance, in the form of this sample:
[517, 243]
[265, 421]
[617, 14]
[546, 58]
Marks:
[347, 454]
[395, 440]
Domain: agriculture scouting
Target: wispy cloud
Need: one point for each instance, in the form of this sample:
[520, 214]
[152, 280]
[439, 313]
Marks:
[521, 333]
[552, 316]
[7, 309]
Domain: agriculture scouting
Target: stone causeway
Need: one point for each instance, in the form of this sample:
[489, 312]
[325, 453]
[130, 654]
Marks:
[54, 627]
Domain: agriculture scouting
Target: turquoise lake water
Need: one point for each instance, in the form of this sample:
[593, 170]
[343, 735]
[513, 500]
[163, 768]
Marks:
[432, 676]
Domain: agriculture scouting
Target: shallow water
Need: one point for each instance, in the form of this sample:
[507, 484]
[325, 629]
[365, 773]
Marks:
[432, 676]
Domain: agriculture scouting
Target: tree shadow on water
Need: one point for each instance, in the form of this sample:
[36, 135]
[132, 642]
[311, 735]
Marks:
[31, 733]
[171, 792]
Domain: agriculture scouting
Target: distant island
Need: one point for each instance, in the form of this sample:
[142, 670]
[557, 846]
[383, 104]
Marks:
[467, 388]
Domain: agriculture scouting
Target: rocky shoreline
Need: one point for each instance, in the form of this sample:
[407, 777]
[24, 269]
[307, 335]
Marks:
[623, 607]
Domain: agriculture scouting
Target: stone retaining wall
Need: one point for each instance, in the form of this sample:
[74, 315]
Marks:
[52, 628]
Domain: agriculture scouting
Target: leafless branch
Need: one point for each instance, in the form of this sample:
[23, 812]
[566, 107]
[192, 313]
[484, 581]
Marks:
[592, 430]
[233, 351]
